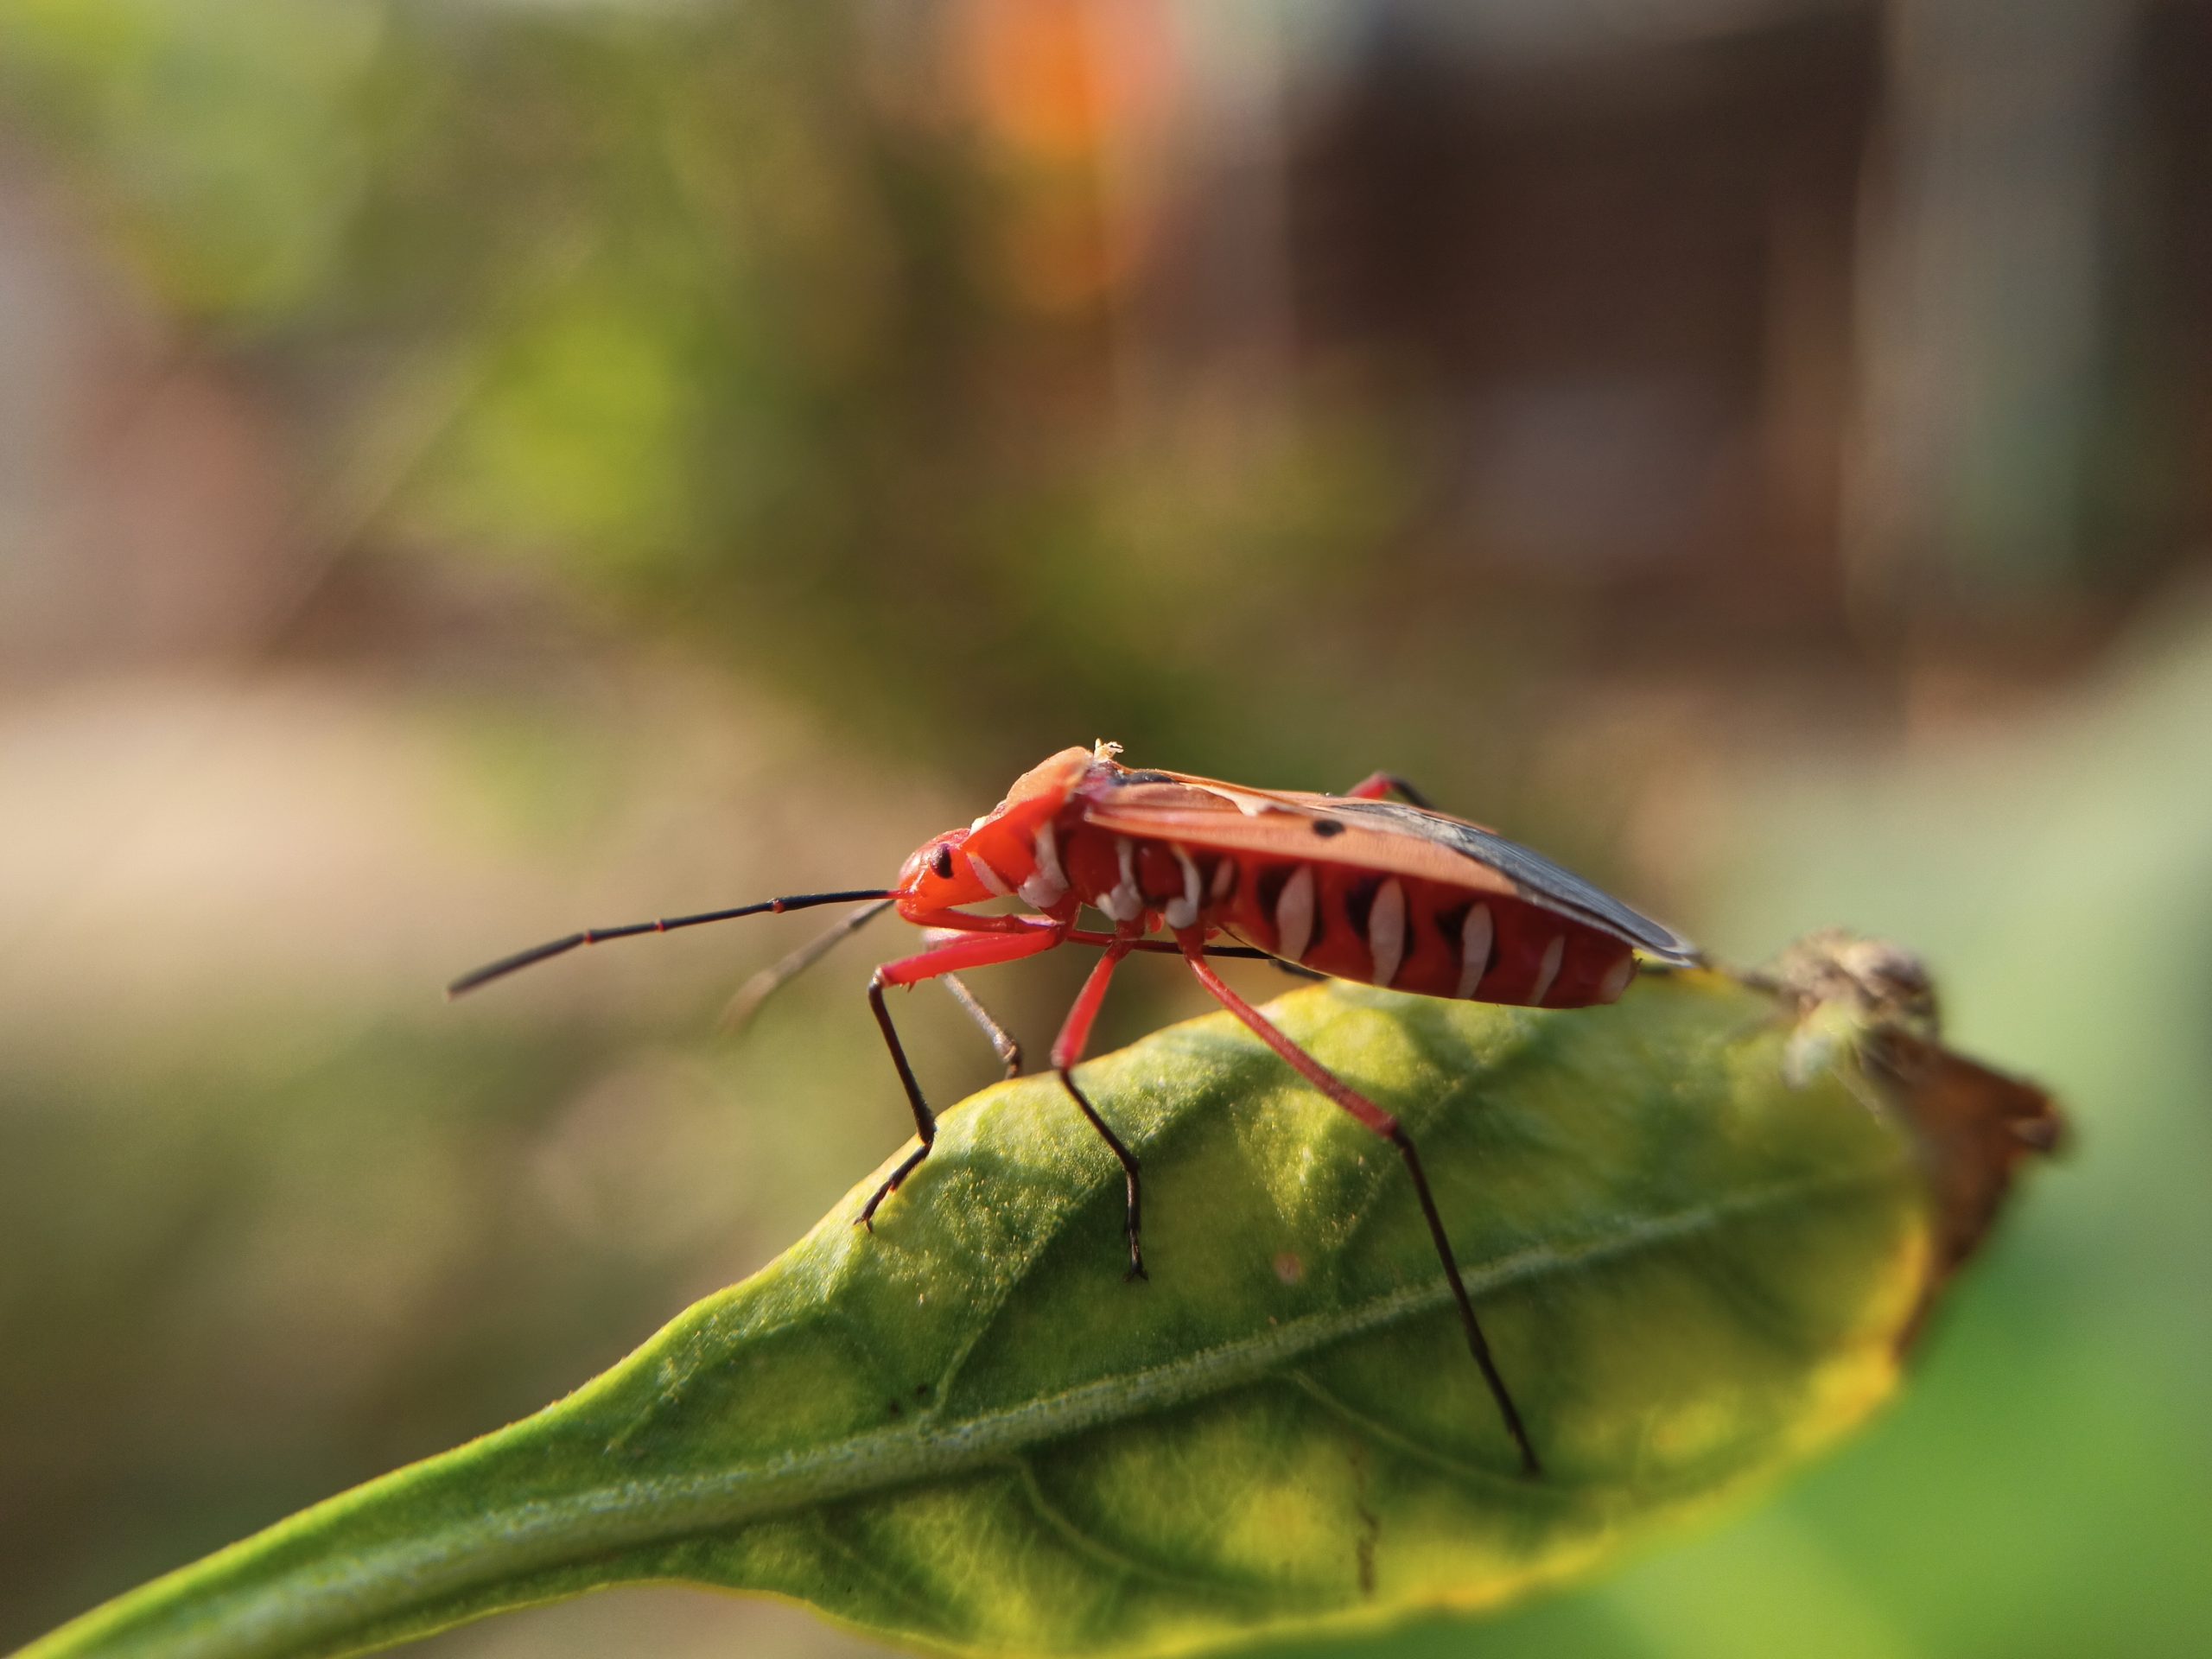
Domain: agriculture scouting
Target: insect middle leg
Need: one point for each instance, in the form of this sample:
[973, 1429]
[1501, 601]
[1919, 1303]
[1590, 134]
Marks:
[737, 1013]
[1383, 1124]
[1067, 1049]
[1001, 1040]
[973, 951]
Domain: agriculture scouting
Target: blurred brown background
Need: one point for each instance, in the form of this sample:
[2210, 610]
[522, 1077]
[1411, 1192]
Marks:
[472, 469]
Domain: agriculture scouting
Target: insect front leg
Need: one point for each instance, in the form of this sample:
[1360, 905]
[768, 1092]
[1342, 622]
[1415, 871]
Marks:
[1067, 1049]
[974, 950]
[1385, 1125]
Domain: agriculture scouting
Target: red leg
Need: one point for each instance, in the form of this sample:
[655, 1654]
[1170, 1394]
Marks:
[1389, 1128]
[1379, 785]
[972, 950]
[1067, 1049]
[1075, 1031]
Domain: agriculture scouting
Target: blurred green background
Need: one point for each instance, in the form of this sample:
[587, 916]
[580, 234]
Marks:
[469, 469]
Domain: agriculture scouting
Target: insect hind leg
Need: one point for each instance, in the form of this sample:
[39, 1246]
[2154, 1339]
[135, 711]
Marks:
[1381, 786]
[1477, 1345]
[1387, 1126]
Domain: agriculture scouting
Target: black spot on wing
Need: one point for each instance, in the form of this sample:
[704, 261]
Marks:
[1535, 876]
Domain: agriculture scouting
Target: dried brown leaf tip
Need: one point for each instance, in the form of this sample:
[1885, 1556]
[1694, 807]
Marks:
[1881, 983]
[1974, 1125]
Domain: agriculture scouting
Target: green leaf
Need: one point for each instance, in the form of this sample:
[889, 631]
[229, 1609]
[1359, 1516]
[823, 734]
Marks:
[968, 1431]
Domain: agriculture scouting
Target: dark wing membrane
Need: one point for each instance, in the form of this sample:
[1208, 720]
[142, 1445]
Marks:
[1530, 871]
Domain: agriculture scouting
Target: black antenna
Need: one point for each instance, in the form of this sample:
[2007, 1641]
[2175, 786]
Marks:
[522, 959]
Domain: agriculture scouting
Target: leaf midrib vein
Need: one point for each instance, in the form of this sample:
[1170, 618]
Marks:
[541, 1534]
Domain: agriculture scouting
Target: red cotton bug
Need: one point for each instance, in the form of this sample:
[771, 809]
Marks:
[1353, 886]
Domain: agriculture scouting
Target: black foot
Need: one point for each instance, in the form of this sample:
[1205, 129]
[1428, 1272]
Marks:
[1134, 1228]
[866, 1218]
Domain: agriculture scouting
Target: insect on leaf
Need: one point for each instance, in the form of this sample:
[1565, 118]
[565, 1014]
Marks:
[968, 1432]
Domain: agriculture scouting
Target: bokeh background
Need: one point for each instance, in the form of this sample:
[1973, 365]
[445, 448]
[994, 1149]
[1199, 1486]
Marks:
[471, 469]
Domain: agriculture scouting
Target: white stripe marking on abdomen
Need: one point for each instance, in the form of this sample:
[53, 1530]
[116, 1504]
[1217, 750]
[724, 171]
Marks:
[1476, 937]
[1616, 980]
[1048, 884]
[1548, 970]
[1386, 931]
[1124, 903]
[1184, 912]
[1294, 915]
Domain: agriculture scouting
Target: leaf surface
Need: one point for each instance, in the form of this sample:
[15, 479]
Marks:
[1697, 1255]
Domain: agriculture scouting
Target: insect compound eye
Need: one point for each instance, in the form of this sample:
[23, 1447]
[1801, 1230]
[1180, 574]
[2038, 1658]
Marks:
[940, 863]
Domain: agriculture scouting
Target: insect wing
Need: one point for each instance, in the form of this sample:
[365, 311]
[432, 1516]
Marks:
[1383, 836]
[1533, 875]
